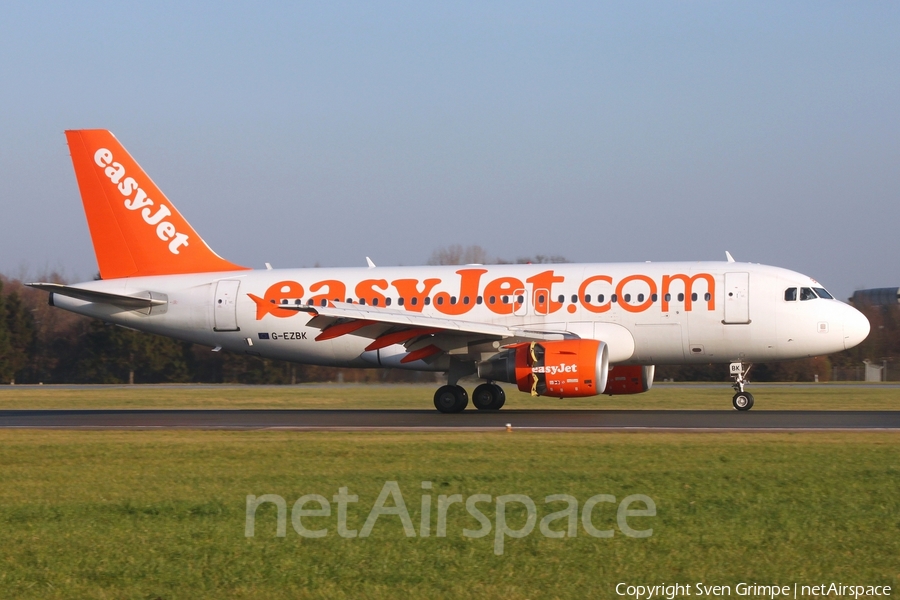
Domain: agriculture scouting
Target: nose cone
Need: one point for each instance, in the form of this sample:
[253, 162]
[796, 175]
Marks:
[856, 327]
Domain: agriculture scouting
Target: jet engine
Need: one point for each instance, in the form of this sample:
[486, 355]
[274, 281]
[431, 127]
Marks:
[564, 369]
[629, 379]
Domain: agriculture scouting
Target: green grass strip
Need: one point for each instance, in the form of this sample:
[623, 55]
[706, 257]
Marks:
[162, 514]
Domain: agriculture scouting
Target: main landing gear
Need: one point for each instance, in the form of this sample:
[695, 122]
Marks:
[451, 399]
[489, 396]
[742, 400]
[454, 399]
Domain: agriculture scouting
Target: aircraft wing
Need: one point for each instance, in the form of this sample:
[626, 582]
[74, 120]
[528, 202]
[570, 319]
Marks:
[424, 336]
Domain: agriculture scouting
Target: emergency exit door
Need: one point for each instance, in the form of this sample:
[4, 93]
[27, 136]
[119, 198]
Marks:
[737, 298]
[225, 306]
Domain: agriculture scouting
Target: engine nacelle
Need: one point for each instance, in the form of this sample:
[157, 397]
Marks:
[564, 369]
[629, 379]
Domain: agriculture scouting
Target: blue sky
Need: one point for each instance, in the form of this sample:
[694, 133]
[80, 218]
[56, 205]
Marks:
[320, 133]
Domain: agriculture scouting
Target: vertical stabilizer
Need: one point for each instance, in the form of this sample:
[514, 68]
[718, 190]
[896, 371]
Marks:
[136, 231]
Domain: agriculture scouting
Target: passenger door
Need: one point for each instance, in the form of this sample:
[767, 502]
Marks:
[225, 305]
[737, 298]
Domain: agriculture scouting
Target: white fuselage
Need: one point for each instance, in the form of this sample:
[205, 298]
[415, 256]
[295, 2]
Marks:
[647, 313]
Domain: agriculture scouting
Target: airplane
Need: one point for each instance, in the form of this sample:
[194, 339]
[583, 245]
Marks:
[558, 331]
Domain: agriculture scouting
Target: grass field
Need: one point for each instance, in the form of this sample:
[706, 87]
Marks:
[139, 514]
[323, 396]
[162, 514]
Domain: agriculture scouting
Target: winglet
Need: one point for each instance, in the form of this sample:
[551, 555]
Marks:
[370, 263]
[728, 256]
[135, 229]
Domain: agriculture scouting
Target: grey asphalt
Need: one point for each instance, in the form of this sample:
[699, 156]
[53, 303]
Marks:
[431, 420]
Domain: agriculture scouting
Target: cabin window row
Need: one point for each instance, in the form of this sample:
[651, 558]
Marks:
[520, 299]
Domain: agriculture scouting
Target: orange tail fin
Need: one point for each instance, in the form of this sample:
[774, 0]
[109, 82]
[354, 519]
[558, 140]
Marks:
[135, 229]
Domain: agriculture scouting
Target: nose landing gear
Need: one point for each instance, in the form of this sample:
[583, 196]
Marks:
[742, 400]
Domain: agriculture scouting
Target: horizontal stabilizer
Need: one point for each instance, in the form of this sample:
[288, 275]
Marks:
[126, 302]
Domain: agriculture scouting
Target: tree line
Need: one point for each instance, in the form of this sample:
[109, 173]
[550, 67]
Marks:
[42, 344]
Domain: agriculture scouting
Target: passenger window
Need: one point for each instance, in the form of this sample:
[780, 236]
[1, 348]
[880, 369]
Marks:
[374, 301]
[681, 297]
[694, 297]
[387, 301]
[504, 299]
[362, 301]
[493, 300]
[309, 302]
[574, 298]
[613, 298]
[477, 299]
[440, 300]
[640, 297]
[654, 297]
[520, 299]
[587, 298]
[400, 301]
[452, 299]
[323, 302]
[668, 297]
[541, 299]
[465, 299]
[413, 300]
[600, 299]
[427, 300]
[561, 298]
[627, 297]
[807, 294]
[790, 294]
[706, 296]
[823, 293]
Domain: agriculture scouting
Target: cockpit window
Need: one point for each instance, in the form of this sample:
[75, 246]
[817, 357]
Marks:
[823, 293]
[790, 294]
[807, 294]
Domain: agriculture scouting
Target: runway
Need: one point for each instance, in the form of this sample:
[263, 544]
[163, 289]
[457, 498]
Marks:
[470, 420]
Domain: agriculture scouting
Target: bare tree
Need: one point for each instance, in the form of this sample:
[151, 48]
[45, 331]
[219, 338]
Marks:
[456, 254]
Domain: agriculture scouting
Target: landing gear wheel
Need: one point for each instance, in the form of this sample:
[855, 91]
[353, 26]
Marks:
[488, 396]
[451, 399]
[742, 401]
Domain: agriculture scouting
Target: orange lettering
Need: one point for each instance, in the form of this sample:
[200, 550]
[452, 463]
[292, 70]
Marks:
[365, 290]
[337, 291]
[544, 281]
[504, 286]
[468, 290]
[409, 289]
[640, 307]
[688, 290]
[601, 308]
[268, 305]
